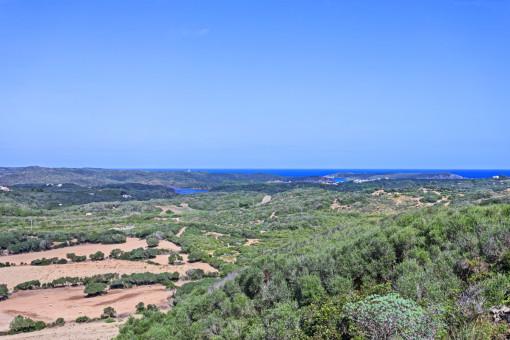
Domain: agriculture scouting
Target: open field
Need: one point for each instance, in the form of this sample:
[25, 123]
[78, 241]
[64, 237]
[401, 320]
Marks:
[18, 274]
[86, 249]
[70, 302]
[73, 331]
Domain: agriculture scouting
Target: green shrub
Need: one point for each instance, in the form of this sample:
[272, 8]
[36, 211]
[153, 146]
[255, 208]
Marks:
[152, 242]
[28, 285]
[82, 319]
[94, 289]
[98, 256]
[4, 292]
[60, 322]
[108, 312]
[21, 324]
[195, 256]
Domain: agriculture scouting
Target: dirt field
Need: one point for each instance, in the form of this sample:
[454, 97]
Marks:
[86, 249]
[183, 229]
[70, 302]
[265, 200]
[18, 274]
[73, 331]
[183, 209]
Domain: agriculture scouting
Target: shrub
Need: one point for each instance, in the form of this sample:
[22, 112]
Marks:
[386, 317]
[94, 289]
[140, 307]
[28, 285]
[73, 257]
[152, 242]
[116, 253]
[110, 320]
[98, 256]
[21, 324]
[4, 292]
[82, 319]
[108, 312]
[195, 256]
[173, 258]
[195, 274]
[60, 322]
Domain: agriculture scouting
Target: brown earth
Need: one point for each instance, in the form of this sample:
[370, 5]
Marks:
[86, 249]
[70, 302]
[17, 274]
[265, 200]
[73, 331]
[252, 241]
[183, 209]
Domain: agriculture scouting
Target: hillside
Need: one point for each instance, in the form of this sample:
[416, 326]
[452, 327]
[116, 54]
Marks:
[394, 175]
[90, 177]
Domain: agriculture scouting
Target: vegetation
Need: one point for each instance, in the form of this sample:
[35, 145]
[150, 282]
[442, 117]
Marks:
[405, 257]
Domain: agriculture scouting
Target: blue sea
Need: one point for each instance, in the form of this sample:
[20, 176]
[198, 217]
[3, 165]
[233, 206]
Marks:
[468, 173]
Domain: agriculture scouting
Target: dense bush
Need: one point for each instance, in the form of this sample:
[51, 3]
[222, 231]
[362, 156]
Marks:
[94, 289]
[4, 292]
[98, 256]
[82, 319]
[28, 285]
[152, 242]
[21, 324]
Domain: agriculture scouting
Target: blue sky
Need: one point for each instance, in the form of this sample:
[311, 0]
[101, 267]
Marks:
[255, 83]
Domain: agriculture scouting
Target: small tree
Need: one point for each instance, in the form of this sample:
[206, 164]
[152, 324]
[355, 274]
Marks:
[195, 256]
[82, 319]
[152, 242]
[94, 289]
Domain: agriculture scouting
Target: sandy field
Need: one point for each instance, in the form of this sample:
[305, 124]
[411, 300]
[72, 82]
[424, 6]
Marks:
[70, 302]
[86, 249]
[265, 200]
[183, 209]
[18, 274]
[183, 229]
[73, 331]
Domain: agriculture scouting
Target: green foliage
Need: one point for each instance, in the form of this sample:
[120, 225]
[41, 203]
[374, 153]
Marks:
[389, 316]
[152, 242]
[98, 256]
[94, 289]
[4, 292]
[82, 319]
[60, 322]
[108, 312]
[21, 324]
[28, 285]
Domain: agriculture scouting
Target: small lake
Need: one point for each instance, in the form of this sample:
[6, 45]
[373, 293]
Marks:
[339, 179]
[188, 191]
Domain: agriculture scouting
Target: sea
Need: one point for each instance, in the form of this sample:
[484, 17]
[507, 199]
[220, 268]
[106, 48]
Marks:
[468, 173]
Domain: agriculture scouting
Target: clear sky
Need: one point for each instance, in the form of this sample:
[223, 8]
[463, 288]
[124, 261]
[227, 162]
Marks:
[255, 83]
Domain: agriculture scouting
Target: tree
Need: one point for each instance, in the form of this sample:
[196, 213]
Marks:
[140, 307]
[94, 289]
[116, 253]
[21, 324]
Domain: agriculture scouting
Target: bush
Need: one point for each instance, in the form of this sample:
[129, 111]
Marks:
[4, 292]
[98, 256]
[108, 312]
[195, 256]
[173, 258]
[152, 242]
[82, 319]
[116, 253]
[21, 325]
[28, 285]
[94, 289]
[74, 258]
[110, 320]
[60, 322]
[140, 307]
[386, 317]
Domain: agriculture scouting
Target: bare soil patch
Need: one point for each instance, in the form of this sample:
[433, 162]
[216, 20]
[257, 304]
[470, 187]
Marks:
[70, 302]
[183, 229]
[265, 200]
[252, 241]
[183, 209]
